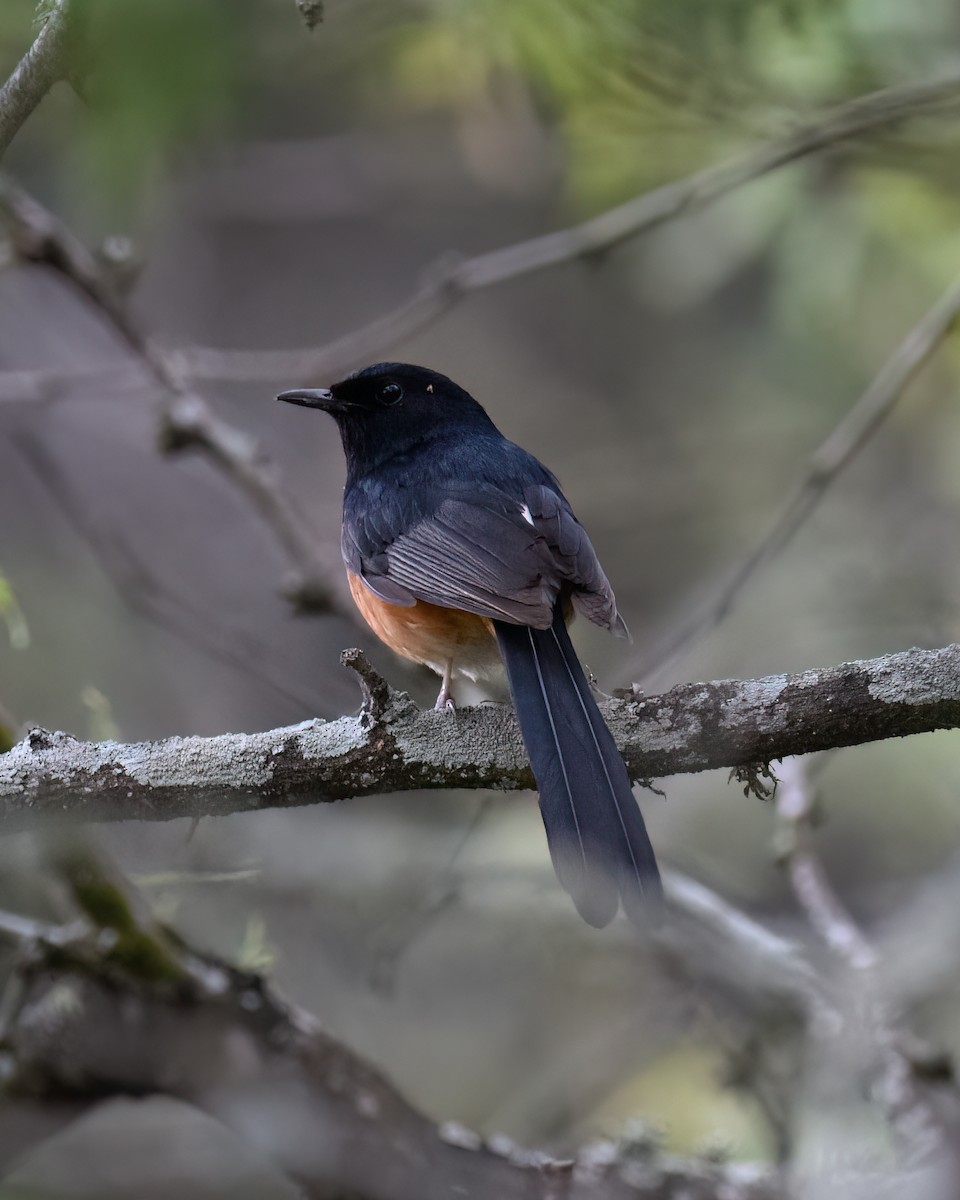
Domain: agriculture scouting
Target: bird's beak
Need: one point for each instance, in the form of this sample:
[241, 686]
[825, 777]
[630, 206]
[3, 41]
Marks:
[310, 398]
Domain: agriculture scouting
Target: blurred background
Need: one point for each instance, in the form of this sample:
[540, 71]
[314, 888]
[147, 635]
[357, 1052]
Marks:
[265, 188]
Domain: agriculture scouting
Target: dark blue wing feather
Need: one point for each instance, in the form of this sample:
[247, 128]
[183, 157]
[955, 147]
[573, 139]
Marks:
[489, 533]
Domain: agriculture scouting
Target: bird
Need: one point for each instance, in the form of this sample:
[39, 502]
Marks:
[463, 554]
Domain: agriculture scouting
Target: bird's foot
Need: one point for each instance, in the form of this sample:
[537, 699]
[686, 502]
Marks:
[445, 701]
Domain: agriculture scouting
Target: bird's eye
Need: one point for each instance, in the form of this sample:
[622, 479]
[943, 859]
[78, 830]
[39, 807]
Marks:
[390, 393]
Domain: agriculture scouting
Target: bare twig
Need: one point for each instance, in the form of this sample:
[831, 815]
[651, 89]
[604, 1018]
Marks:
[37, 236]
[826, 914]
[36, 73]
[186, 418]
[690, 728]
[896, 1089]
[824, 465]
[48, 383]
[188, 421]
[752, 958]
[451, 278]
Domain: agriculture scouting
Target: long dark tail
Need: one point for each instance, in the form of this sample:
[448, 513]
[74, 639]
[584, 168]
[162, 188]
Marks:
[597, 838]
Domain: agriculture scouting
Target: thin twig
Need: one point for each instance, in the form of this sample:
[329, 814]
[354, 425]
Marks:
[42, 66]
[37, 236]
[855, 429]
[187, 421]
[822, 906]
[49, 383]
[451, 278]
[896, 1090]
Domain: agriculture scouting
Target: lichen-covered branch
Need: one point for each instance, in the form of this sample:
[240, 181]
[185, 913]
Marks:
[36, 73]
[91, 1012]
[393, 746]
[87, 1025]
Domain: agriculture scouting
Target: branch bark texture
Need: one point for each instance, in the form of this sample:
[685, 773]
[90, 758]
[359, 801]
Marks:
[393, 746]
[36, 73]
[227, 1043]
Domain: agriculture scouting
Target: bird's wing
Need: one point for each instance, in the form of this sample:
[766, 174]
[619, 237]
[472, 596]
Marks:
[483, 550]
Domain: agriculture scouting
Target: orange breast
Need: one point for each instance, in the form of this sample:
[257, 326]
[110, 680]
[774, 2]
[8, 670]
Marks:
[429, 634]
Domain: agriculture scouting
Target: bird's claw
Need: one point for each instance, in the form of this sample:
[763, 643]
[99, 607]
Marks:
[445, 702]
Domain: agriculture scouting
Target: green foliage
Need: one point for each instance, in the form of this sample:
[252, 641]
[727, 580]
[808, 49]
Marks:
[158, 75]
[642, 92]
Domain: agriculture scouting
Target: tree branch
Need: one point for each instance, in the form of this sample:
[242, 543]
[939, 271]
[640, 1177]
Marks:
[452, 277]
[833, 924]
[234, 1048]
[186, 420]
[36, 73]
[88, 1023]
[855, 428]
[397, 747]
[870, 1025]
[92, 1016]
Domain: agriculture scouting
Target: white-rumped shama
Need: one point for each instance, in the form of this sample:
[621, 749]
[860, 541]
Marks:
[462, 551]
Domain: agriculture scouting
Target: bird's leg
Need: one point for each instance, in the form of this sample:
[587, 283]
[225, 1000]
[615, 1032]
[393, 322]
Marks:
[445, 701]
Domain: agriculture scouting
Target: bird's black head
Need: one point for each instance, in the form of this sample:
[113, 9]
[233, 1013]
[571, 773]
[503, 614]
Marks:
[391, 407]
